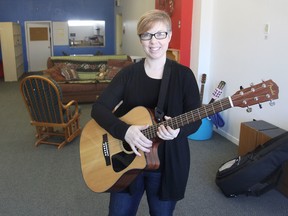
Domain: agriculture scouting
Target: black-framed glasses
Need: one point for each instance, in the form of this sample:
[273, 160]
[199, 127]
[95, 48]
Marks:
[158, 35]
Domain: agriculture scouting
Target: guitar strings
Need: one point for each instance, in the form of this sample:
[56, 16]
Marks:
[191, 116]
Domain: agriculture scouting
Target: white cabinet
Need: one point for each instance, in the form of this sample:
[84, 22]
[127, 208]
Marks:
[12, 51]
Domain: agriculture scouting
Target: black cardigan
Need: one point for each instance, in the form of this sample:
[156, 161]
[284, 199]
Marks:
[132, 86]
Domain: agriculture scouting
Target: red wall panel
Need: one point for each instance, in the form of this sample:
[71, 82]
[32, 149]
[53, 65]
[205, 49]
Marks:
[181, 27]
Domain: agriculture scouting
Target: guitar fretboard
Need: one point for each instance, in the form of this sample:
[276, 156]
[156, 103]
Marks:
[190, 117]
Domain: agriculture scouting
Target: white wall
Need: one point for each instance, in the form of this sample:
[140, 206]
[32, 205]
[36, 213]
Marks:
[131, 11]
[229, 44]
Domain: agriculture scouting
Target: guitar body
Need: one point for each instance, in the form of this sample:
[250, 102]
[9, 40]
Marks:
[115, 171]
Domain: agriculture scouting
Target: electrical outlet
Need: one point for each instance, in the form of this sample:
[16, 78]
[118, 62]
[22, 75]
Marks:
[267, 28]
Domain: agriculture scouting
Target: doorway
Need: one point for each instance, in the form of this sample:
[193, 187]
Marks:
[119, 33]
[38, 43]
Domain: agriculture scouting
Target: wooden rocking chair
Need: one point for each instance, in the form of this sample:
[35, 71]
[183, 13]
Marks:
[56, 123]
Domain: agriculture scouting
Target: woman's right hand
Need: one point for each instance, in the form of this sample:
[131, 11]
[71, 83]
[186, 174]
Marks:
[136, 139]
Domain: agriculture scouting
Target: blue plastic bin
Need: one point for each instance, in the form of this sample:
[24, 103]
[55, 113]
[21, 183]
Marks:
[204, 132]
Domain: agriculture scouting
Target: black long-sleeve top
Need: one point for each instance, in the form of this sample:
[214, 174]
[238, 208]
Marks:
[134, 88]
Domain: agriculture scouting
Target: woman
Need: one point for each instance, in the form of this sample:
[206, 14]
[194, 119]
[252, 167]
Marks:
[139, 85]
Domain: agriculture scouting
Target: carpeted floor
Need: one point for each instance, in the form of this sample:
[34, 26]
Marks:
[44, 181]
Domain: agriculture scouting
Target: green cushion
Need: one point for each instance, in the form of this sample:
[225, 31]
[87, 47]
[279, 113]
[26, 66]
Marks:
[87, 58]
[88, 75]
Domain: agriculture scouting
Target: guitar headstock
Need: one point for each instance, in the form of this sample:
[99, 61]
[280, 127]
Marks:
[256, 94]
[221, 85]
[203, 78]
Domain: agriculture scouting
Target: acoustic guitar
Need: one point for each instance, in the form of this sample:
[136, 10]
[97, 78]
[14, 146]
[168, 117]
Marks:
[108, 164]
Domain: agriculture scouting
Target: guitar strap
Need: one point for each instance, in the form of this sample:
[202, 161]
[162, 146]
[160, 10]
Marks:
[159, 114]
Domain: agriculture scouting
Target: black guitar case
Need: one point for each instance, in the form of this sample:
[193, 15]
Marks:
[256, 172]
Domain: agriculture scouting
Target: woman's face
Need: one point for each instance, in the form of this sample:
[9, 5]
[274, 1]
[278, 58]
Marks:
[156, 48]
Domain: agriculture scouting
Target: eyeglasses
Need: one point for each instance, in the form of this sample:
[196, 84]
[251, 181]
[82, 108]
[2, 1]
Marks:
[157, 35]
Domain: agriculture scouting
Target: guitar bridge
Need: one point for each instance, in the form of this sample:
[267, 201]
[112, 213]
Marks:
[105, 149]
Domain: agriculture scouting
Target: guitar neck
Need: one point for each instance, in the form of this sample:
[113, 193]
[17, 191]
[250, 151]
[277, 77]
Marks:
[203, 81]
[201, 93]
[190, 117]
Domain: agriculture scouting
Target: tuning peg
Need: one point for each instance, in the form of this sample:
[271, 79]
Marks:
[260, 106]
[264, 84]
[241, 92]
[249, 109]
[272, 103]
[268, 95]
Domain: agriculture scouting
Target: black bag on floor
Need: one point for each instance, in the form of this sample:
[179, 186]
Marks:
[282, 185]
[256, 172]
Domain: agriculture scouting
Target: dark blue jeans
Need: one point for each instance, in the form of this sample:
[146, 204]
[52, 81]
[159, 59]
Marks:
[124, 204]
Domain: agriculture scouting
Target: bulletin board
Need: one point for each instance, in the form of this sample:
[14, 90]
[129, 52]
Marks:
[38, 34]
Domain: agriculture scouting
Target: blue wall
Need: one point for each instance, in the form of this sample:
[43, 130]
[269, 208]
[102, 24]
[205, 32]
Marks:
[62, 10]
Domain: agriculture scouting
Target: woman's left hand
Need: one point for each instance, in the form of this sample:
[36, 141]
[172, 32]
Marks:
[167, 133]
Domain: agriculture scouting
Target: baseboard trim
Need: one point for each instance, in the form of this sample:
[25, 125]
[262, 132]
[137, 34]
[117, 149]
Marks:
[227, 136]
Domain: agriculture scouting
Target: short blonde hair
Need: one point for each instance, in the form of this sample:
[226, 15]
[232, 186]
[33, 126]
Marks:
[148, 19]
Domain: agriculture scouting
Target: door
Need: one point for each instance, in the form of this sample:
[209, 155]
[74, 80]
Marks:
[38, 45]
[119, 33]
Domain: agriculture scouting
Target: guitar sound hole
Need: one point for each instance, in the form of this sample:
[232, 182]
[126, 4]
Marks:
[127, 147]
[121, 161]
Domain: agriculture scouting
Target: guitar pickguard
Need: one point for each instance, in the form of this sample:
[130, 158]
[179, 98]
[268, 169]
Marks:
[121, 161]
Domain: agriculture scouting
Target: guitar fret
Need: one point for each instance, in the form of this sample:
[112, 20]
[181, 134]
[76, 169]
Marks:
[182, 121]
[221, 105]
[171, 123]
[193, 116]
[177, 125]
[187, 119]
[205, 110]
[149, 132]
[154, 132]
[178, 122]
[199, 113]
[194, 112]
[213, 109]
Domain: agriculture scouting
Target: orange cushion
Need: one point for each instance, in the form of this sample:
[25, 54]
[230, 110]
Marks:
[55, 73]
[114, 66]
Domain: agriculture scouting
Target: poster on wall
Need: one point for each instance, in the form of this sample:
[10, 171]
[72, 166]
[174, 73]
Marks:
[60, 34]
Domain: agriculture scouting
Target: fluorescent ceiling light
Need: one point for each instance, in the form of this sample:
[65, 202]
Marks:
[85, 22]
